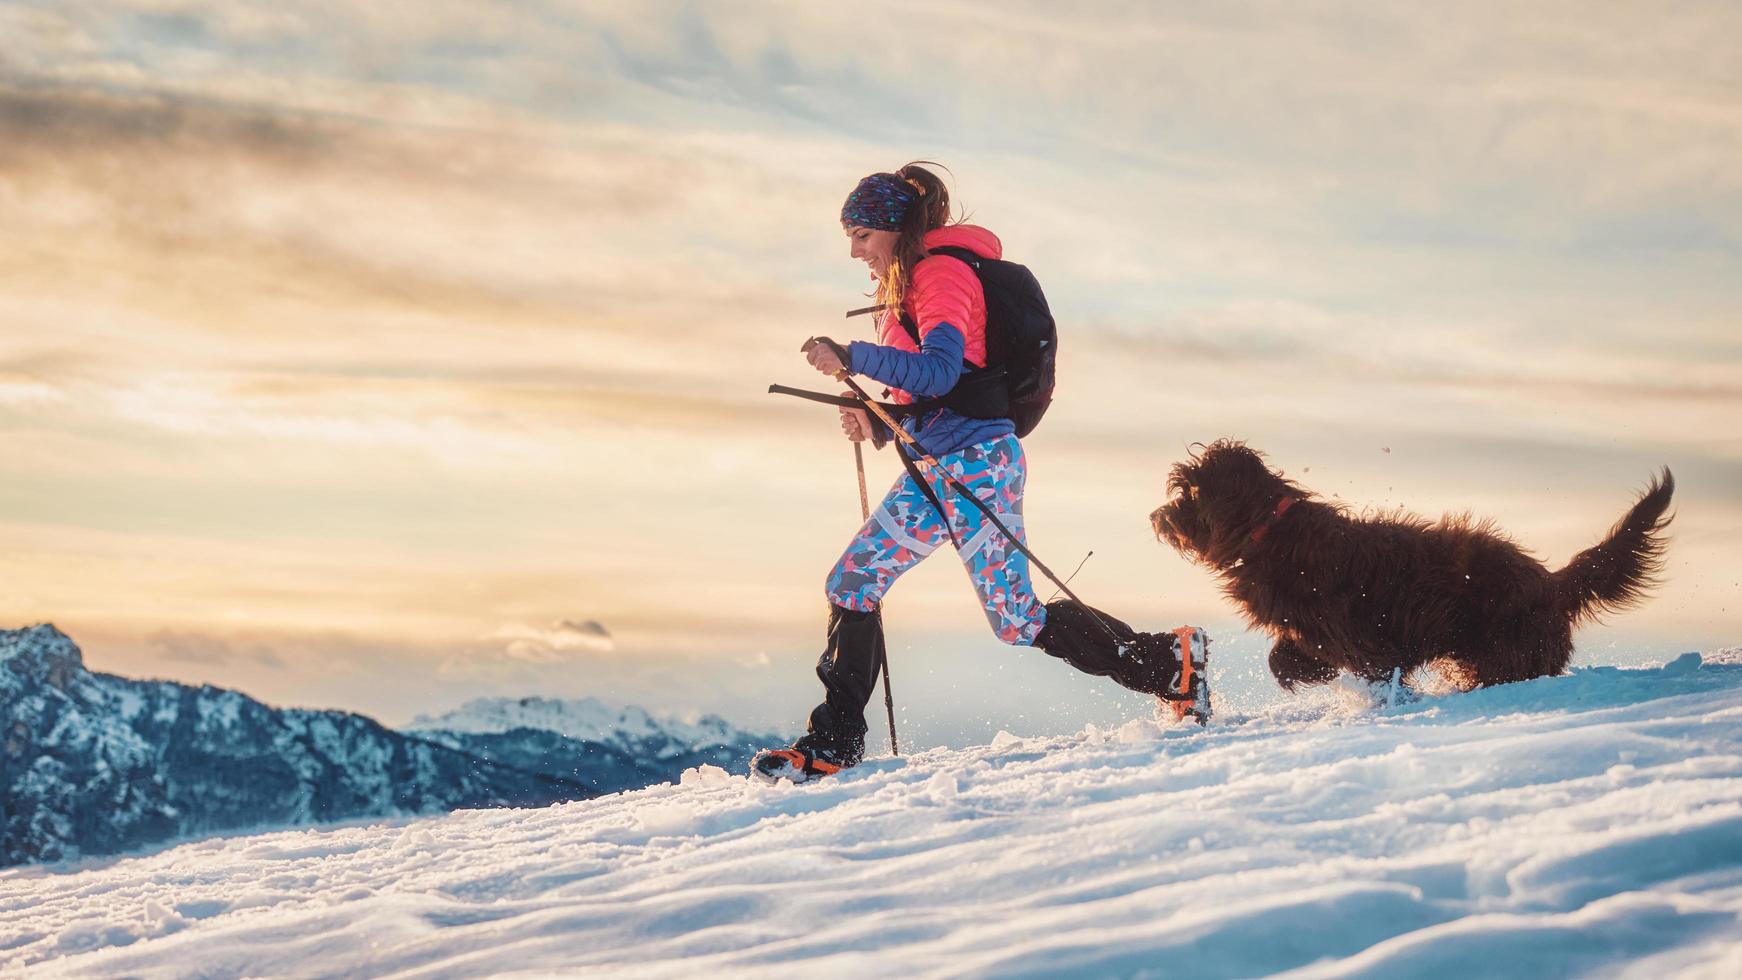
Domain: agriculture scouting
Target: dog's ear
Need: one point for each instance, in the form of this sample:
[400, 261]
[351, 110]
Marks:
[1182, 482]
[1225, 464]
[1251, 462]
[1231, 490]
[1240, 465]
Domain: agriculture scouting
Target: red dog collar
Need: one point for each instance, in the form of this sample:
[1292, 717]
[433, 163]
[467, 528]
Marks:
[1282, 507]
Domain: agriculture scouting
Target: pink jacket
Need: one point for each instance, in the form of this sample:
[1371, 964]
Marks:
[944, 290]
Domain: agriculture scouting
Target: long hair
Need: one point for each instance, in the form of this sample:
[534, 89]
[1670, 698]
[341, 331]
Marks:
[931, 211]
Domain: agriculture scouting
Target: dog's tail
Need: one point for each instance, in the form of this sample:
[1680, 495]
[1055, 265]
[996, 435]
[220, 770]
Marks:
[1619, 570]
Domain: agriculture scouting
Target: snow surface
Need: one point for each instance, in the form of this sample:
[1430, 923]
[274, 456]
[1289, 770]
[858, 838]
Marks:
[1581, 825]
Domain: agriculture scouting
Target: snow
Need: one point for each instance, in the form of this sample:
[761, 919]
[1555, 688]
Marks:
[1580, 825]
[628, 727]
[219, 712]
[580, 718]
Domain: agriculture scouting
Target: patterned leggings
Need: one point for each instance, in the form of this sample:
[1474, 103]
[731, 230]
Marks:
[905, 528]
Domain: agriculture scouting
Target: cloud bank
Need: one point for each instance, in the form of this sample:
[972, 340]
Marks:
[405, 328]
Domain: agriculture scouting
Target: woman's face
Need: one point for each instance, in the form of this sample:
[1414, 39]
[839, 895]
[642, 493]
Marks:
[874, 248]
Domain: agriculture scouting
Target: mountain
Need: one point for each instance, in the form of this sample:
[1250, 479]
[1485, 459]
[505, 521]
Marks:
[610, 748]
[93, 763]
[1585, 825]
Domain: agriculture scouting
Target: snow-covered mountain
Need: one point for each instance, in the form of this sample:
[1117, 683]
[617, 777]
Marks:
[1586, 825]
[610, 747]
[92, 763]
[587, 720]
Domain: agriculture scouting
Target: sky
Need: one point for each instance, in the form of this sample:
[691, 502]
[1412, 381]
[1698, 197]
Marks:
[380, 356]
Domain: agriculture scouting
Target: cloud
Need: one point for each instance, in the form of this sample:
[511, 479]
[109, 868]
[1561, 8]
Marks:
[589, 634]
[201, 648]
[554, 643]
[282, 273]
[56, 121]
[338, 229]
[20, 390]
[1594, 104]
[521, 658]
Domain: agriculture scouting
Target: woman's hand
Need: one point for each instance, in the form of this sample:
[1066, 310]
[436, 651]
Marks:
[855, 422]
[824, 359]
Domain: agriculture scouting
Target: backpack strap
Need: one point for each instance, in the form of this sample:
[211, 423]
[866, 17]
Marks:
[980, 392]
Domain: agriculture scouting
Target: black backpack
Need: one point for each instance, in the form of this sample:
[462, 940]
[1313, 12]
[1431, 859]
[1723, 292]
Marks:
[1021, 348]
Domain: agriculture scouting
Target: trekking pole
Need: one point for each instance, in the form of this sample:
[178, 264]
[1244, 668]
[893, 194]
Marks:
[883, 645]
[906, 438]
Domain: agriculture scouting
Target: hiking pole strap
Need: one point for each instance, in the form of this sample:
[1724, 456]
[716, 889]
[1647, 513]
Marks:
[840, 401]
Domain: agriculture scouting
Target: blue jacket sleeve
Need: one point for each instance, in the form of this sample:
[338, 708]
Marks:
[932, 371]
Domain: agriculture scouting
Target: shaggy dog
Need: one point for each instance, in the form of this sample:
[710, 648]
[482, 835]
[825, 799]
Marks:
[1371, 595]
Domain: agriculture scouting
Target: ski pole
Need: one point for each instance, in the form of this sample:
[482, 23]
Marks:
[883, 645]
[949, 478]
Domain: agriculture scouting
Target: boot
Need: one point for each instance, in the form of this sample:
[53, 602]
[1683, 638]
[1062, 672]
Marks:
[1151, 663]
[792, 765]
[848, 669]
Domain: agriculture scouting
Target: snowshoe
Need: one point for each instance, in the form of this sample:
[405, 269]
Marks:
[793, 765]
[1190, 693]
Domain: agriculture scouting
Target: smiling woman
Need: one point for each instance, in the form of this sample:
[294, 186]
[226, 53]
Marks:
[936, 336]
[887, 217]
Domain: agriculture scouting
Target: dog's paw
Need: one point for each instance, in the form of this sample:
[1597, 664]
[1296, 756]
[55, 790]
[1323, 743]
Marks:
[1360, 694]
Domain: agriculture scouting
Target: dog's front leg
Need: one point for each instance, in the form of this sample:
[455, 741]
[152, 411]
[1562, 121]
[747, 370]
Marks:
[1291, 665]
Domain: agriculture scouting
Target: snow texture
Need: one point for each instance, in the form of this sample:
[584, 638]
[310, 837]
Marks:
[1582, 825]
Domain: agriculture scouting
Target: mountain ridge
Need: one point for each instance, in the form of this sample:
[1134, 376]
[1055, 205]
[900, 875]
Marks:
[94, 763]
[625, 746]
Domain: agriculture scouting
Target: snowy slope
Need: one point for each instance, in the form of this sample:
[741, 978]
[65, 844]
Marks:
[1588, 824]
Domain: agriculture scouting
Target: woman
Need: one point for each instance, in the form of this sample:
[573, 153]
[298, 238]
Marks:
[893, 221]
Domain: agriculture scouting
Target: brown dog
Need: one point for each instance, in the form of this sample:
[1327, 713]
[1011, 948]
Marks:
[1395, 592]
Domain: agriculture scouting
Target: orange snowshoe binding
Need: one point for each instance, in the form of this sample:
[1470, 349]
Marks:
[793, 765]
[1189, 694]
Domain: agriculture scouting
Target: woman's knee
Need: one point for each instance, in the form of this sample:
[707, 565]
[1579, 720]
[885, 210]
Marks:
[857, 589]
[1016, 630]
[865, 601]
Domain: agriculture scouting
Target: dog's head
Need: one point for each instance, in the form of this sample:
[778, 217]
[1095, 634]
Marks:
[1216, 499]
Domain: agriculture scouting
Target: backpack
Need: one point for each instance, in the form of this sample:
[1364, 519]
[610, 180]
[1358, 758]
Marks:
[1021, 348]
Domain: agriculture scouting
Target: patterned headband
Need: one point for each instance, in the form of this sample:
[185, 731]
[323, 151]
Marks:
[881, 202]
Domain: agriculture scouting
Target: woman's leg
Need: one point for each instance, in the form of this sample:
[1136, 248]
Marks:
[1086, 638]
[1097, 643]
[902, 531]
[995, 472]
